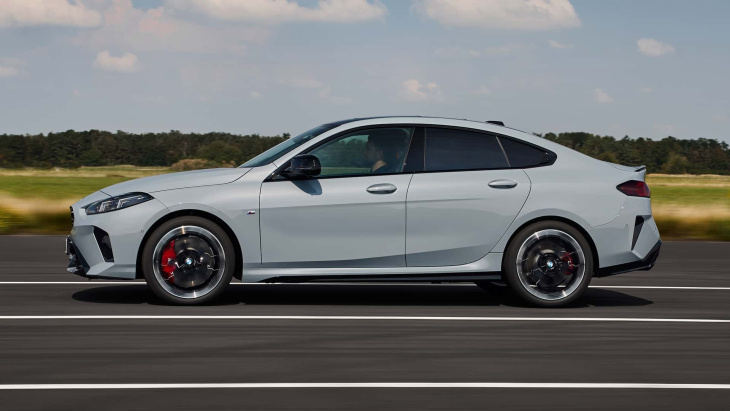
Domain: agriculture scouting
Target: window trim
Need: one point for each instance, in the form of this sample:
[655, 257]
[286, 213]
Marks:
[552, 155]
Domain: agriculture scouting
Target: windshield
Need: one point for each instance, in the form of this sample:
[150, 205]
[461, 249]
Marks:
[282, 148]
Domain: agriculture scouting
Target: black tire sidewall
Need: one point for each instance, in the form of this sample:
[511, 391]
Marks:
[509, 266]
[148, 259]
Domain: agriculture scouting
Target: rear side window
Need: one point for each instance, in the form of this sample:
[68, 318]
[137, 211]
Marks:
[523, 155]
[449, 149]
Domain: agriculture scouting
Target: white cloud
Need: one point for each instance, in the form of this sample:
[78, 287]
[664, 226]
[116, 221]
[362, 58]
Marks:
[254, 94]
[654, 48]
[557, 45]
[125, 64]
[301, 82]
[720, 118]
[276, 11]
[645, 90]
[601, 97]
[456, 52]
[8, 71]
[482, 91]
[10, 67]
[501, 14]
[326, 93]
[22, 13]
[493, 51]
[413, 90]
[128, 28]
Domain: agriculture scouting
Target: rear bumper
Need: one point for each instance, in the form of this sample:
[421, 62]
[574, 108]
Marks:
[647, 263]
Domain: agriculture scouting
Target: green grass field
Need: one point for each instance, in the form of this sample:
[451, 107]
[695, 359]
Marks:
[37, 201]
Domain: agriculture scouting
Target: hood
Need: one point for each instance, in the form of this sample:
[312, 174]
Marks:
[174, 181]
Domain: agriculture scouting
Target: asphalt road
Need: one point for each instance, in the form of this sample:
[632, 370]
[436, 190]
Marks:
[510, 343]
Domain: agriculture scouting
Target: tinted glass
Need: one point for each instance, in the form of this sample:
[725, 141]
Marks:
[414, 161]
[373, 151]
[448, 149]
[523, 155]
[284, 147]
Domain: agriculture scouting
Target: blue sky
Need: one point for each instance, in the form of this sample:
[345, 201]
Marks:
[638, 68]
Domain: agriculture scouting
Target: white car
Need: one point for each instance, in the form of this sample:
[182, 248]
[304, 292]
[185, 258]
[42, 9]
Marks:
[377, 199]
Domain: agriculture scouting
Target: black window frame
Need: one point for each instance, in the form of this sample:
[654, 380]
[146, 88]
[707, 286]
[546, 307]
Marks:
[419, 132]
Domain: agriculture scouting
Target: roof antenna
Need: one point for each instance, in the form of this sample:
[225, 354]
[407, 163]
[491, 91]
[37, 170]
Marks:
[499, 123]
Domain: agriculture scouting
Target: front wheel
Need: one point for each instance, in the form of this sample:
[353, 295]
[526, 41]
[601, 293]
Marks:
[188, 261]
[548, 264]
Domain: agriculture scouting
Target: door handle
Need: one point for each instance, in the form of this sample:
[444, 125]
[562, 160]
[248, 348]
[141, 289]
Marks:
[382, 189]
[503, 184]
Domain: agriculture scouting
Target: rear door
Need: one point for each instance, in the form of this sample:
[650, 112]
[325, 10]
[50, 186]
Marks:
[463, 201]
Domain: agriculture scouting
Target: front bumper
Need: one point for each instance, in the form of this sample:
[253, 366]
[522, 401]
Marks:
[76, 263]
[106, 245]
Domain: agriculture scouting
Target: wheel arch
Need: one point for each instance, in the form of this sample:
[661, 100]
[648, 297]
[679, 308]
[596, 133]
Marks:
[238, 270]
[568, 221]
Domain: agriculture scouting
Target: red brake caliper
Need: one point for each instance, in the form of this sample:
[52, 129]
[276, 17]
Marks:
[568, 259]
[168, 262]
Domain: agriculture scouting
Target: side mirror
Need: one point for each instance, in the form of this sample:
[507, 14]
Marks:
[303, 166]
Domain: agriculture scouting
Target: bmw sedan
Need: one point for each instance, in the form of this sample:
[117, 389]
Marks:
[377, 199]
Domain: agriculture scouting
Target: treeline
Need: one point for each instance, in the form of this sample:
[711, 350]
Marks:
[101, 148]
[669, 155]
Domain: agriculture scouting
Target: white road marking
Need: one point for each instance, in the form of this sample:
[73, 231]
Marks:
[627, 287]
[640, 386]
[357, 318]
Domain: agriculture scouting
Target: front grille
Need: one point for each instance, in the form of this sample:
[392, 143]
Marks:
[72, 214]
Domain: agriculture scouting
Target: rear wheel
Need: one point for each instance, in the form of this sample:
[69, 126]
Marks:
[548, 264]
[188, 260]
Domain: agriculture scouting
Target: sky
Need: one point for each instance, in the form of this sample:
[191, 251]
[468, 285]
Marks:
[649, 68]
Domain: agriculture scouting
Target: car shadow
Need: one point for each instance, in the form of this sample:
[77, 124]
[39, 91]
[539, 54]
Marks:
[354, 294]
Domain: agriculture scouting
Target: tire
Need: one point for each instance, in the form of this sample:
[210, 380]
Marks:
[188, 261]
[548, 264]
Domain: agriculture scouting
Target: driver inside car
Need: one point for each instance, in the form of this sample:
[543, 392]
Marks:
[384, 150]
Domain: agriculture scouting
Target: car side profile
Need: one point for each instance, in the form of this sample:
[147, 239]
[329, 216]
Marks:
[377, 199]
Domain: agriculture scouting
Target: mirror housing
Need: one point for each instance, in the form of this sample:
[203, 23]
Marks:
[303, 166]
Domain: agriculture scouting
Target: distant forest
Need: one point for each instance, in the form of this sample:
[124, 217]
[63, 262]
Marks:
[102, 148]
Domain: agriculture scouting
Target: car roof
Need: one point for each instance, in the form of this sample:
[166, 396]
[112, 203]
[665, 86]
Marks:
[423, 118]
[350, 120]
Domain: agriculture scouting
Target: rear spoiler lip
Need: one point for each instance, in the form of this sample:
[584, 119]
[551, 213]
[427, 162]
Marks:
[632, 169]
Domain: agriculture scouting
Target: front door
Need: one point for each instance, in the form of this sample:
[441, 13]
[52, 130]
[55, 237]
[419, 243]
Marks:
[352, 215]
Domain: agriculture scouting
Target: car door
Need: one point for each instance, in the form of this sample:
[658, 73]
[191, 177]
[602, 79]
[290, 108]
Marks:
[351, 215]
[464, 200]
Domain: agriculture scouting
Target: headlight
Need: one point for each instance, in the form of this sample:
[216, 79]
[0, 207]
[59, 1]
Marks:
[116, 203]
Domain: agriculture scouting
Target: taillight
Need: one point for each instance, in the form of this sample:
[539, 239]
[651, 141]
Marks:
[634, 188]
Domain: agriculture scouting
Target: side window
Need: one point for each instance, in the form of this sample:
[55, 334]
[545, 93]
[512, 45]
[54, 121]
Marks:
[523, 155]
[364, 152]
[448, 149]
